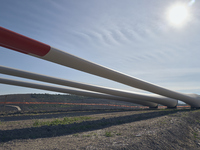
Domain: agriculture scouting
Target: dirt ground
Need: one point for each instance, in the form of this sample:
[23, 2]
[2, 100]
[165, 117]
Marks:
[106, 130]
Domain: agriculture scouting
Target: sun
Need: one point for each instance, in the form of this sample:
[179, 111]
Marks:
[178, 14]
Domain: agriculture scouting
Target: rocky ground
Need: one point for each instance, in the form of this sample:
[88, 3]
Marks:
[107, 129]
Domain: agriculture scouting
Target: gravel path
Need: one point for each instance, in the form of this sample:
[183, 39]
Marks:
[139, 129]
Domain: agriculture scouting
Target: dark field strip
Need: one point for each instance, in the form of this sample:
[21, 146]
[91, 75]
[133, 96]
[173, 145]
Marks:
[91, 104]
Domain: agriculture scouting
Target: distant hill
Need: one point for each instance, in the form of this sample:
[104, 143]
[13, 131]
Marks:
[59, 98]
[62, 98]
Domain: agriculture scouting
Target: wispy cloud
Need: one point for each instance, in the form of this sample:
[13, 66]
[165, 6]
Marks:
[129, 36]
[191, 2]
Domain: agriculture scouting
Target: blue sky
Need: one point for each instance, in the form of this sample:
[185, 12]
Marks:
[133, 37]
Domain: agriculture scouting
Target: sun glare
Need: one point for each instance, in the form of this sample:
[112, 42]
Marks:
[178, 14]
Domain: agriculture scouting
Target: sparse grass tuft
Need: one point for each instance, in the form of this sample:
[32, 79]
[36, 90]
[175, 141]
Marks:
[65, 120]
[36, 123]
[195, 135]
[95, 134]
[108, 134]
[198, 121]
[118, 134]
[76, 135]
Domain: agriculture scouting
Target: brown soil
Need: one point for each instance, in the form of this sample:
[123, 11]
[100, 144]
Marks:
[135, 129]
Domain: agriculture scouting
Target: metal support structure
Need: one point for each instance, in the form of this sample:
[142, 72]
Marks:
[20, 43]
[72, 91]
[128, 94]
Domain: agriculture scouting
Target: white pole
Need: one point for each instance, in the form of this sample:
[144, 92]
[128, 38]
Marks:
[20, 43]
[73, 91]
[128, 94]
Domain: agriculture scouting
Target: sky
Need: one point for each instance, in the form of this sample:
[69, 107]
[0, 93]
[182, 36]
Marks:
[135, 37]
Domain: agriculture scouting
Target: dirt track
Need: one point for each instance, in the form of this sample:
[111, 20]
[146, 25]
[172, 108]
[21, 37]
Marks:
[139, 129]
